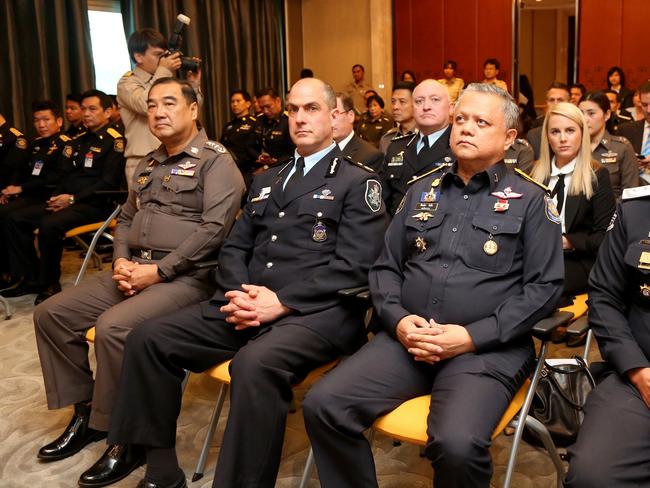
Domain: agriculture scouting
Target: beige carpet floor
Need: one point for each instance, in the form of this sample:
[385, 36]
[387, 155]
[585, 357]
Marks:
[26, 424]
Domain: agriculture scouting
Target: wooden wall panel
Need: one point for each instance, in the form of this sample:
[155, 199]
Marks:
[613, 33]
[427, 32]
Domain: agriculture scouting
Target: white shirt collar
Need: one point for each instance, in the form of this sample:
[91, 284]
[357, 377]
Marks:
[564, 170]
[345, 141]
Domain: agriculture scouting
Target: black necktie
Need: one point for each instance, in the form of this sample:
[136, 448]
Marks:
[297, 174]
[425, 143]
[559, 191]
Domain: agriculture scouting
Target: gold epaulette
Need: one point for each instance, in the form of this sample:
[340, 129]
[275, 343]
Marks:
[15, 132]
[79, 135]
[359, 164]
[113, 133]
[64, 138]
[532, 180]
[416, 178]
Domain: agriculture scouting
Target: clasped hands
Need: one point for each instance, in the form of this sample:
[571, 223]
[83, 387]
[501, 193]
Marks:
[253, 306]
[132, 277]
[431, 342]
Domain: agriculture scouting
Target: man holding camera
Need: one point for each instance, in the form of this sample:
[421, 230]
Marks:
[148, 50]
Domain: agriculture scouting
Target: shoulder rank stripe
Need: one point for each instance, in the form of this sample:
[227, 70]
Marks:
[359, 164]
[65, 138]
[416, 178]
[532, 180]
[113, 133]
[15, 132]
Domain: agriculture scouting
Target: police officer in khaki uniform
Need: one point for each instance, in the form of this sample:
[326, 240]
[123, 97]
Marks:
[308, 230]
[374, 123]
[412, 156]
[520, 155]
[239, 134]
[147, 48]
[182, 204]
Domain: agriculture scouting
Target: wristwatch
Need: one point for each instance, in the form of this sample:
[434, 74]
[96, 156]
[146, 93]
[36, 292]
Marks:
[71, 200]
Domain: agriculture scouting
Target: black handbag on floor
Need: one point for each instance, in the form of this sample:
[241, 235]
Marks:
[559, 400]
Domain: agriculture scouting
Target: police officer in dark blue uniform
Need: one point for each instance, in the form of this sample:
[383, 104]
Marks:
[13, 151]
[415, 155]
[477, 229]
[309, 229]
[607, 453]
[272, 131]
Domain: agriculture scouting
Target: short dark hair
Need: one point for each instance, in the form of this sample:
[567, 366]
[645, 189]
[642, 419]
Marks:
[451, 63]
[306, 73]
[559, 86]
[404, 85]
[245, 95]
[644, 88]
[104, 100]
[493, 61]
[73, 97]
[579, 86]
[407, 72]
[612, 92]
[267, 90]
[375, 98]
[346, 101]
[40, 105]
[599, 98]
[186, 88]
[611, 71]
[141, 39]
[359, 66]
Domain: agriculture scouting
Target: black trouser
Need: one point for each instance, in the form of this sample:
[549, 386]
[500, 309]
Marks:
[9, 209]
[613, 445]
[466, 405]
[52, 226]
[266, 364]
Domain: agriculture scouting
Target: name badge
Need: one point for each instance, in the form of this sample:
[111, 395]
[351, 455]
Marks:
[38, 166]
[88, 161]
[182, 172]
[607, 160]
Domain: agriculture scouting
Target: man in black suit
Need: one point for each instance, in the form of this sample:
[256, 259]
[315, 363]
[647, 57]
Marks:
[557, 92]
[475, 227]
[351, 145]
[638, 132]
[310, 228]
[414, 156]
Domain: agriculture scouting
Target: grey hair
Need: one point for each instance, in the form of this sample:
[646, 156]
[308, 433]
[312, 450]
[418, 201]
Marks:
[510, 108]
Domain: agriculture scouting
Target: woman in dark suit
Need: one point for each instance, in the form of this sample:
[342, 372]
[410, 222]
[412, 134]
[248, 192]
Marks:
[580, 188]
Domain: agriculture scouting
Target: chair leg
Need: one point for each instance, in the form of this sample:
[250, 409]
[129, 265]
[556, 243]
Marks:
[200, 465]
[543, 433]
[309, 468]
[7, 307]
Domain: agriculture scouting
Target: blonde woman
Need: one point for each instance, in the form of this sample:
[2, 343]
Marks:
[580, 188]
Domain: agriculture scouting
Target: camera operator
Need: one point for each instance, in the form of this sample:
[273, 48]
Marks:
[148, 49]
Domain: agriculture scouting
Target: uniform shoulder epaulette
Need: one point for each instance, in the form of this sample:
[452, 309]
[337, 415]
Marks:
[622, 139]
[215, 146]
[15, 132]
[523, 142]
[64, 138]
[417, 178]
[252, 117]
[113, 133]
[77, 136]
[389, 132]
[359, 164]
[128, 73]
[637, 192]
[532, 180]
[285, 113]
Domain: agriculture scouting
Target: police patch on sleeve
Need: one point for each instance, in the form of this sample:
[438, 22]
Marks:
[67, 151]
[21, 143]
[118, 145]
[611, 222]
[373, 195]
[551, 210]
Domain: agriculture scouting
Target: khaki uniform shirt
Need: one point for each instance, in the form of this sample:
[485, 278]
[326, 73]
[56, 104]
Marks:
[617, 155]
[453, 86]
[356, 92]
[183, 205]
[500, 83]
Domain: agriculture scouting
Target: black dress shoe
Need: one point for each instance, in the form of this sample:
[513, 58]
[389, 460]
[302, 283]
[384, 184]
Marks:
[47, 293]
[181, 483]
[74, 438]
[24, 288]
[115, 464]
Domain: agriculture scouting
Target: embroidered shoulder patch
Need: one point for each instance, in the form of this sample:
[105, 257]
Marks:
[373, 195]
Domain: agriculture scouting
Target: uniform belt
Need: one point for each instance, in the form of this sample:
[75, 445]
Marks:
[149, 254]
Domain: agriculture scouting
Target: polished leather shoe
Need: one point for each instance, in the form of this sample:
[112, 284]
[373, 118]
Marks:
[47, 293]
[75, 437]
[181, 483]
[115, 464]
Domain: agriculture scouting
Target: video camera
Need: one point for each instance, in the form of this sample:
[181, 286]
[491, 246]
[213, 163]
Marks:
[189, 63]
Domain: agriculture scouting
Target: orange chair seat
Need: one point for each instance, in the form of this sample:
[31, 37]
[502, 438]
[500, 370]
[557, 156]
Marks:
[84, 229]
[408, 422]
[90, 334]
[578, 308]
